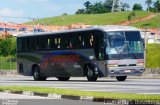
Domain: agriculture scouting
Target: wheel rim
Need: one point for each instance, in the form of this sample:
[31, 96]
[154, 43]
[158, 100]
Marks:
[36, 74]
[90, 72]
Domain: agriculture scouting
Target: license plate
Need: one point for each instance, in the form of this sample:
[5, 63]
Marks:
[127, 71]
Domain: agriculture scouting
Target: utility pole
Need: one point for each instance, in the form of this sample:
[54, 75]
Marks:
[33, 19]
[145, 46]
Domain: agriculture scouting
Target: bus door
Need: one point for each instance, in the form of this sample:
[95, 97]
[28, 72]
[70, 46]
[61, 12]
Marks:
[99, 50]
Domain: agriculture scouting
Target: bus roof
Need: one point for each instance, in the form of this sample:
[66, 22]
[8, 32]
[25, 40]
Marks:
[105, 28]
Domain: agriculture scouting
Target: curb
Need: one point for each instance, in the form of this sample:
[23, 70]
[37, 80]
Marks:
[87, 98]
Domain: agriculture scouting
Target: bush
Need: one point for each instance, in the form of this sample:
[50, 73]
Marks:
[8, 46]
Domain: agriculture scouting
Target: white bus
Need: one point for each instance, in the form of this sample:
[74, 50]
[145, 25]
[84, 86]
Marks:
[102, 51]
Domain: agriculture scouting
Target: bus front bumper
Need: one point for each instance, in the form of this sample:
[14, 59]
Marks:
[124, 71]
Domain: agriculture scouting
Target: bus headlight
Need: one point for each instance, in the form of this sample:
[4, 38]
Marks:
[140, 64]
[112, 65]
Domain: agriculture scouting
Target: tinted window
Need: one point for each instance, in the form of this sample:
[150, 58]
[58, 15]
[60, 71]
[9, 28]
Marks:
[33, 43]
[133, 36]
[83, 39]
[42, 42]
[19, 44]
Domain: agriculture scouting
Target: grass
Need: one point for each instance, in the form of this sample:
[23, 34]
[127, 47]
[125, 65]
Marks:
[151, 23]
[153, 56]
[8, 63]
[109, 95]
[91, 19]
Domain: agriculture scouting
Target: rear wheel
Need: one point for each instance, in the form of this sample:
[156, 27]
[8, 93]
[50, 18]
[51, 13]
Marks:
[90, 74]
[63, 78]
[36, 74]
[121, 78]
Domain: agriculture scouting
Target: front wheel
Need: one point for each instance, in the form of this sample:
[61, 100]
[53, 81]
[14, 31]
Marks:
[63, 78]
[36, 74]
[90, 74]
[121, 78]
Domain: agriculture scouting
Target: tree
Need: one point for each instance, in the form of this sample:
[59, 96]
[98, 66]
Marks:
[157, 5]
[108, 4]
[80, 11]
[131, 16]
[8, 46]
[148, 2]
[137, 7]
[97, 8]
[87, 4]
[64, 14]
[125, 6]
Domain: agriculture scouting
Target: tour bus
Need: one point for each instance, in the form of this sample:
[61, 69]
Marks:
[98, 51]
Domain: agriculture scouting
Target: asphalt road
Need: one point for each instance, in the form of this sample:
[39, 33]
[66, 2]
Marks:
[14, 99]
[139, 86]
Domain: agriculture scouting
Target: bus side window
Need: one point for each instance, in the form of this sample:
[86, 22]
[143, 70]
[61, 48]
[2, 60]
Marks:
[52, 42]
[59, 44]
[76, 40]
[88, 39]
[27, 44]
[80, 41]
[91, 40]
[33, 43]
[24, 44]
[83, 41]
[19, 44]
[42, 42]
[71, 43]
[48, 42]
[65, 41]
[55, 42]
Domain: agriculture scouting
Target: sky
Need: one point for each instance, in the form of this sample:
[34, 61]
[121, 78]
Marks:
[28, 9]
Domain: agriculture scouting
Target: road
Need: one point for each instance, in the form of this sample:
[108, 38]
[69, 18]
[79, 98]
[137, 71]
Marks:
[14, 99]
[139, 86]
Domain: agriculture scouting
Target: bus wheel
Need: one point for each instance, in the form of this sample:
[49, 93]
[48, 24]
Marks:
[90, 74]
[121, 78]
[63, 78]
[36, 74]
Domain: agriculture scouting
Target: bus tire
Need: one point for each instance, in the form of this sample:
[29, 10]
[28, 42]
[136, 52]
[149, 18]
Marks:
[63, 78]
[90, 74]
[121, 78]
[36, 74]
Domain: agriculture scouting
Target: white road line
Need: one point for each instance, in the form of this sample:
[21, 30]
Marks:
[149, 93]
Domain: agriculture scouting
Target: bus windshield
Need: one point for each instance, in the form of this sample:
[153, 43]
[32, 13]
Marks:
[127, 44]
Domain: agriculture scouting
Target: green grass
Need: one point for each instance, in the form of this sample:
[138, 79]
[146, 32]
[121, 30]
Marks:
[151, 23]
[91, 19]
[109, 95]
[153, 56]
[8, 63]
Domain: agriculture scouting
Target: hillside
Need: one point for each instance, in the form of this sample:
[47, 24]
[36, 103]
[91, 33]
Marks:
[91, 19]
[151, 23]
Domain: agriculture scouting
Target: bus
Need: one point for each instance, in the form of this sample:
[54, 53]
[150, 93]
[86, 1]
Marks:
[93, 52]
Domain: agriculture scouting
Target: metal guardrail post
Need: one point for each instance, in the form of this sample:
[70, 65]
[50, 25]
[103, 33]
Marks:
[145, 47]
